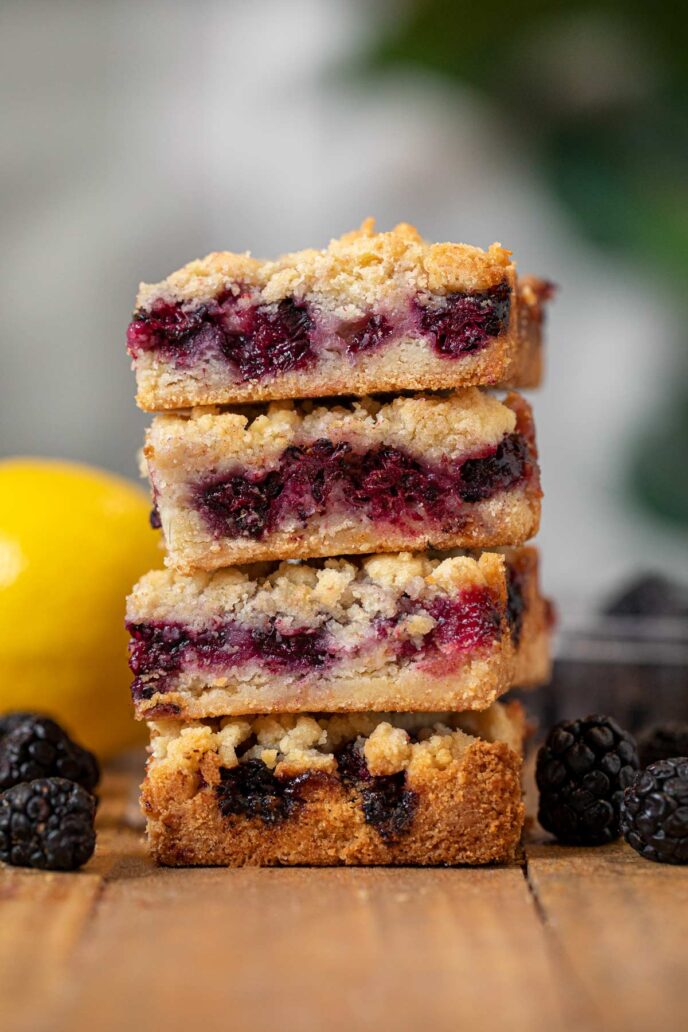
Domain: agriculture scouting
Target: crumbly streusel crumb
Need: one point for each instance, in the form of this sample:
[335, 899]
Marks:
[352, 272]
[292, 743]
[428, 426]
[345, 590]
[387, 749]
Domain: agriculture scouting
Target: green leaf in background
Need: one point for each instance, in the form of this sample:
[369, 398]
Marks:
[600, 91]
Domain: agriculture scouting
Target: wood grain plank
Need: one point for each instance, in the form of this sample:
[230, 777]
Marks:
[41, 916]
[42, 919]
[595, 940]
[313, 949]
[620, 925]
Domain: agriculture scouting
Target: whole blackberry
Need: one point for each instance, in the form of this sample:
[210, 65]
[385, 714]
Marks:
[48, 824]
[582, 770]
[650, 595]
[38, 748]
[654, 814]
[662, 741]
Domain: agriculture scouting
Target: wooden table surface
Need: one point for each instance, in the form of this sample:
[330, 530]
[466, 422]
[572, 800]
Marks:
[566, 939]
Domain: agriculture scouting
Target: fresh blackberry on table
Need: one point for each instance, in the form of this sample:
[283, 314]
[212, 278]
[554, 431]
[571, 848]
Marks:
[650, 595]
[655, 811]
[663, 741]
[582, 770]
[38, 748]
[47, 824]
[10, 721]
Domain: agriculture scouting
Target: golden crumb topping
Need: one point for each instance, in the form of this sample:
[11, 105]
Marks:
[430, 426]
[360, 269]
[349, 592]
[290, 744]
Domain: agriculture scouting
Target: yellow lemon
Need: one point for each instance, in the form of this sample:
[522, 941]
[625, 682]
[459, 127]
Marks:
[72, 542]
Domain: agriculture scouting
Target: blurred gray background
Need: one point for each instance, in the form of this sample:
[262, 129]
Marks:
[136, 136]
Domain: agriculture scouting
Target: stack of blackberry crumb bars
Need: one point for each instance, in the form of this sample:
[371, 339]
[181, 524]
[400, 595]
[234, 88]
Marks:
[344, 505]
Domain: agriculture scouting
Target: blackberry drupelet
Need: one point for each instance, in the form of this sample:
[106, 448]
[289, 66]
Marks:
[38, 748]
[47, 824]
[663, 741]
[582, 770]
[655, 812]
[10, 721]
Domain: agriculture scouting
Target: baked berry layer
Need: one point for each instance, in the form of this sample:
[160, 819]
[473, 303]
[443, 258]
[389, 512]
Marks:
[371, 312]
[457, 471]
[360, 788]
[388, 632]
[386, 485]
[257, 340]
[252, 790]
[470, 621]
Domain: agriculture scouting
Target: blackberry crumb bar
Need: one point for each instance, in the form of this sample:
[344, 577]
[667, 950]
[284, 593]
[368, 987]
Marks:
[302, 480]
[386, 632]
[371, 312]
[360, 788]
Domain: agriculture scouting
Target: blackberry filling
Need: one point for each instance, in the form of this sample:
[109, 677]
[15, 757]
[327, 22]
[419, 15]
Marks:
[270, 341]
[157, 648]
[159, 651]
[265, 340]
[154, 518]
[384, 484]
[251, 789]
[515, 603]
[484, 477]
[471, 623]
[258, 341]
[302, 648]
[239, 506]
[387, 804]
[367, 334]
[465, 322]
[351, 765]
[167, 325]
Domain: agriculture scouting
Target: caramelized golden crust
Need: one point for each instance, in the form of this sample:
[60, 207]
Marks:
[184, 451]
[465, 793]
